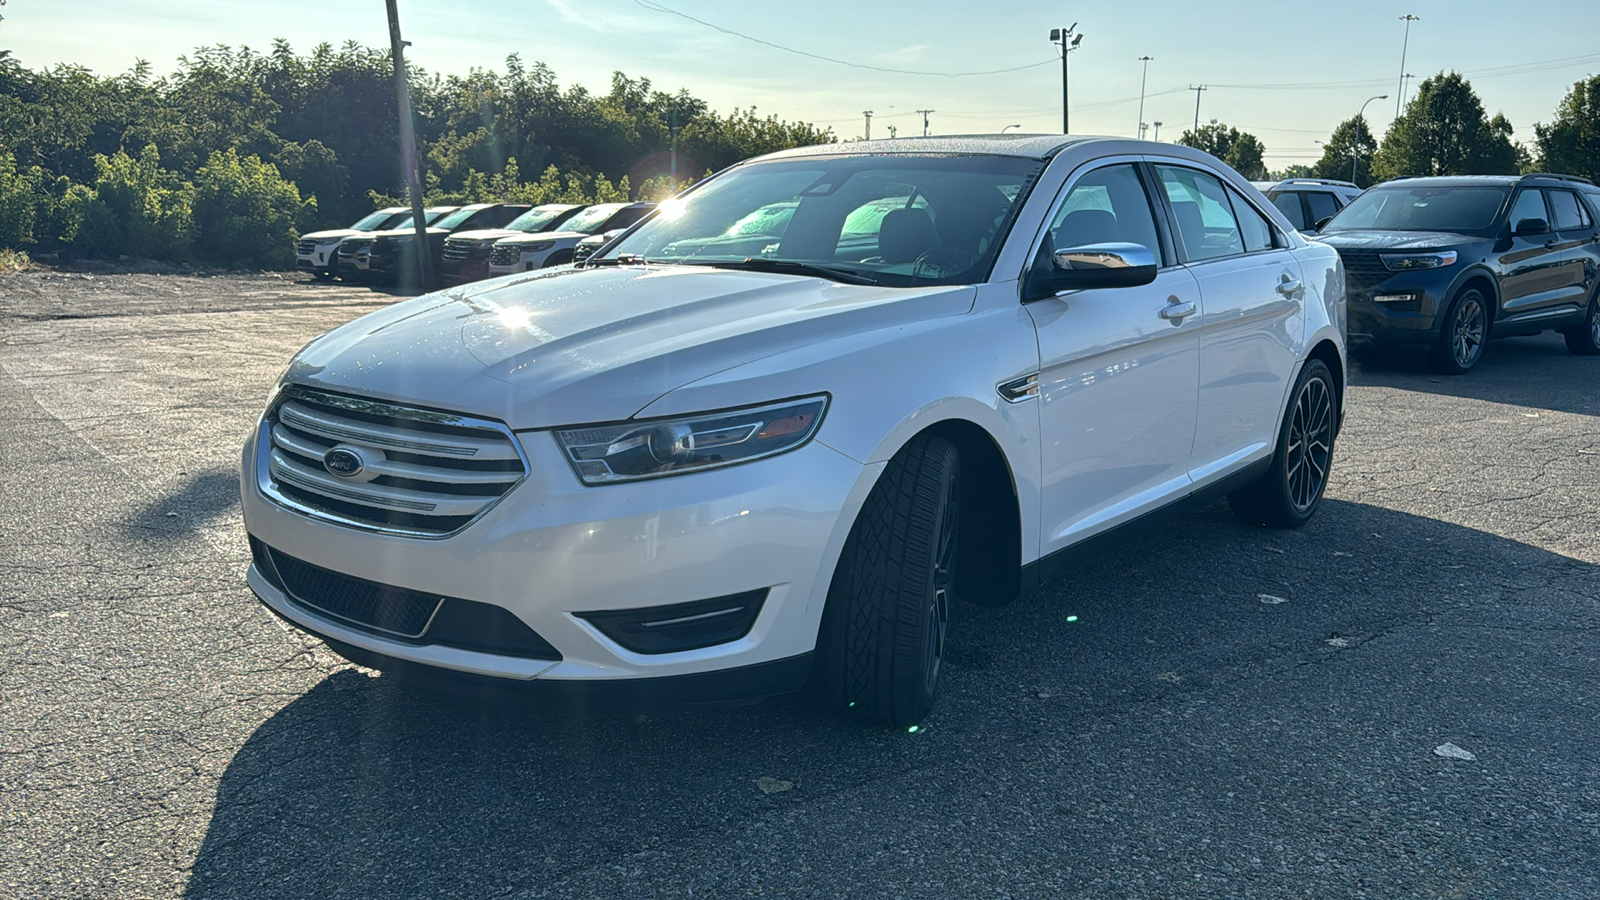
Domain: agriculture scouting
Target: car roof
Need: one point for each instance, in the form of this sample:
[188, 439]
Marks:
[1027, 146]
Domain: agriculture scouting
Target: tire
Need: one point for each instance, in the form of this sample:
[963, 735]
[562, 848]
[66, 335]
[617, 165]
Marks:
[1584, 339]
[1461, 338]
[882, 640]
[1291, 490]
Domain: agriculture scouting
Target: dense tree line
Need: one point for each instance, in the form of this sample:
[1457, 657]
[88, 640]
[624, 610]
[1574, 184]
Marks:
[226, 159]
[1443, 131]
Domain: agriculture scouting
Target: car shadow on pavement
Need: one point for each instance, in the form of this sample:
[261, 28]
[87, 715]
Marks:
[1535, 371]
[199, 499]
[1069, 709]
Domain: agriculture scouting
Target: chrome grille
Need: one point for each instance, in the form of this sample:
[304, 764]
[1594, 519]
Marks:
[417, 472]
[355, 247]
[460, 248]
[504, 255]
[1363, 270]
[305, 248]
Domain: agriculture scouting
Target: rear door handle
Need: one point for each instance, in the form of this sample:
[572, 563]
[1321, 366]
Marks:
[1176, 312]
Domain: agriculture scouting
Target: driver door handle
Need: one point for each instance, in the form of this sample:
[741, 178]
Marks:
[1175, 312]
[1288, 286]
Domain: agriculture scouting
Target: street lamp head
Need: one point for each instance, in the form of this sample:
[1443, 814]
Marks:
[1077, 39]
[1003, 130]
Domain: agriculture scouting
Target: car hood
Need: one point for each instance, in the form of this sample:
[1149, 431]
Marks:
[406, 232]
[542, 236]
[487, 234]
[572, 346]
[1394, 240]
[331, 233]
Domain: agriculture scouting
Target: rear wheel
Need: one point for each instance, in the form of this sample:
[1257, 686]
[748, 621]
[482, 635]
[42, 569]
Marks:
[882, 641]
[1466, 327]
[1290, 491]
[1584, 339]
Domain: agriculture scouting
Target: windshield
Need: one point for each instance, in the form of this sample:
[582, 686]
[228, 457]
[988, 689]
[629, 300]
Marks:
[457, 217]
[374, 221]
[1420, 207]
[897, 219]
[428, 215]
[538, 218]
[590, 220]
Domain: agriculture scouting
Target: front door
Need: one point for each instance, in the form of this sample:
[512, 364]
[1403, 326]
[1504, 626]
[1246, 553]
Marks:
[1118, 370]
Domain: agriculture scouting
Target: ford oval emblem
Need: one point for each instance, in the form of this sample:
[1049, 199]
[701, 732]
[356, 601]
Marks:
[343, 462]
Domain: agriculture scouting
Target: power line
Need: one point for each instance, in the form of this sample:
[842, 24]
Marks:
[656, 7]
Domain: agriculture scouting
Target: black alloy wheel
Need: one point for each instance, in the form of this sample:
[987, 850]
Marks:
[1584, 339]
[882, 644]
[1291, 489]
[1461, 340]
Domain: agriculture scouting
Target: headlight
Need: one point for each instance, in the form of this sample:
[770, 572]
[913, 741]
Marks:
[537, 248]
[328, 242]
[629, 451]
[1405, 262]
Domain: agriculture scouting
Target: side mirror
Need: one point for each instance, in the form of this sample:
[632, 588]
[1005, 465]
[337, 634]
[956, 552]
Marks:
[1110, 265]
[1321, 224]
[1530, 227]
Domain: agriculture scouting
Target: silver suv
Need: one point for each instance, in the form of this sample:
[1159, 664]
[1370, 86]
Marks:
[1307, 201]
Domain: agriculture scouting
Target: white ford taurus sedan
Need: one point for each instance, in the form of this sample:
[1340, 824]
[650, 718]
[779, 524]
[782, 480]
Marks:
[770, 434]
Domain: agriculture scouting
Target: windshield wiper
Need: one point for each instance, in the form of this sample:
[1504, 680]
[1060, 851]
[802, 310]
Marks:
[626, 259]
[757, 264]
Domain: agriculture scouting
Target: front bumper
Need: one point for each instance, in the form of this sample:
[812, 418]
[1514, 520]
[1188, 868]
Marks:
[1411, 321]
[553, 549]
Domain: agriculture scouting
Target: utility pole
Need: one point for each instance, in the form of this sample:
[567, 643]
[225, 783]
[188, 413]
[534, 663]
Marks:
[1142, 76]
[1404, 45]
[408, 151]
[1197, 91]
[1068, 42]
[672, 130]
[1157, 137]
[868, 114]
[892, 131]
[925, 113]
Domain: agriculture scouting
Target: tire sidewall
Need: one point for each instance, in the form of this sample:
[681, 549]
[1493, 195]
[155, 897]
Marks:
[1444, 352]
[1314, 369]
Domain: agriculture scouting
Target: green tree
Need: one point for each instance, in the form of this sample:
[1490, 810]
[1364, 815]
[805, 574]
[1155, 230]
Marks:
[1444, 131]
[1239, 149]
[1349, 148]
[1571, 144]
[137, 209]
[20, 196]
[245, 213]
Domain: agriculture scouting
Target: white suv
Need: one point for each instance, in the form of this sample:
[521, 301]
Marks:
[712, 463]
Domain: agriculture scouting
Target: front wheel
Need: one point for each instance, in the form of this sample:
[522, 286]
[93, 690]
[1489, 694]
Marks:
[1466, 327]
[1290, 491]
[1584, 339]
[882, 641]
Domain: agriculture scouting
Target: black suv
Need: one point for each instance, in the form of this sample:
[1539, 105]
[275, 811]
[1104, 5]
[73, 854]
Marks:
[1443, 263]
[388, 256]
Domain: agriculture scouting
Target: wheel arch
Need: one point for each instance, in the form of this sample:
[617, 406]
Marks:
[1328, 352]
[1484, 281]
[989, 539]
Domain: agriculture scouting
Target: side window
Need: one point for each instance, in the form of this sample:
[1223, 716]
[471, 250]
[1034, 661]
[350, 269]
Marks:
[1569, 212]
[1257, 231]
[1206, 227]
[1529, 205]
[1106, 205]
[1322, 206]
[1289, 204]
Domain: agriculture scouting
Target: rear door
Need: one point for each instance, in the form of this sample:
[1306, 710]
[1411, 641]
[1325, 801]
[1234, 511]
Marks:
[1251, 327]
[1578, 239]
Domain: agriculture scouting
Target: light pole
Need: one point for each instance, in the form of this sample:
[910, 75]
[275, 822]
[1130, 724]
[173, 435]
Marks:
[1197, 91]
[1408, 19]
[1003, 130]
[1355, 142]
[1142, 76]
[1157, 137]
[925, 113]
[868, 114]
[1068, 42]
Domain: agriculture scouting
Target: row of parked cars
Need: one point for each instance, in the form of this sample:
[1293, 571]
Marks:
[465, 243]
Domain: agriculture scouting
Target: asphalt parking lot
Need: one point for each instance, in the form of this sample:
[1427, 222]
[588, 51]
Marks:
[1201, 710]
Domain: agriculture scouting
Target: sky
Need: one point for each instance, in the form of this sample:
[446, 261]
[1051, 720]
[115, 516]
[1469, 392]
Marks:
[1285, 72]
